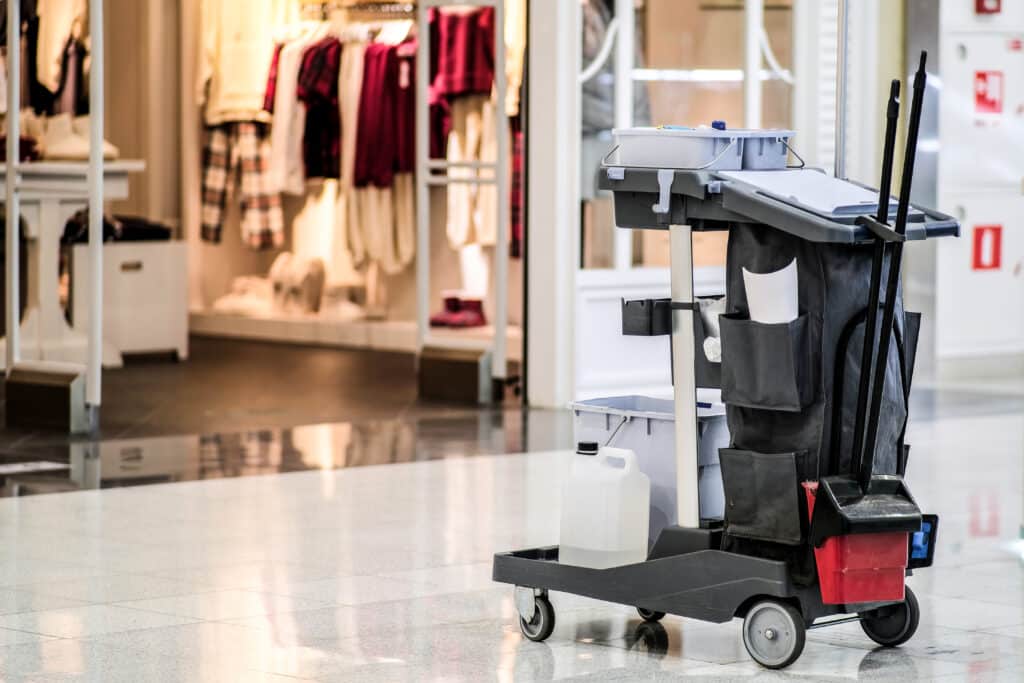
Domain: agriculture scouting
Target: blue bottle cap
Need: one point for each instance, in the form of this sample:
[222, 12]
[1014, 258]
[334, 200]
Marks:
[718, 124]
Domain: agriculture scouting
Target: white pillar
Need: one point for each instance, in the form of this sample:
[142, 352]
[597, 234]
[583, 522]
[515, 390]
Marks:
[554, 203]
[94, 388]
[12, 205]
[753, 24]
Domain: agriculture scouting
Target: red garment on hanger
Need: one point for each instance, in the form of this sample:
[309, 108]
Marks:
[462, 51]
[275, 62]
[376, 146]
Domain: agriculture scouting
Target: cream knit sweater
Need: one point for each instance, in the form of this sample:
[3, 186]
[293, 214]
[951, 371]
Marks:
[236, 48]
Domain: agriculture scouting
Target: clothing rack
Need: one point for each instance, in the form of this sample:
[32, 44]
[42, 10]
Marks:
[426, 178]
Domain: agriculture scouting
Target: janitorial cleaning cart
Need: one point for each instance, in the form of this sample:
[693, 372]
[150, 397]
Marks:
[818, 526]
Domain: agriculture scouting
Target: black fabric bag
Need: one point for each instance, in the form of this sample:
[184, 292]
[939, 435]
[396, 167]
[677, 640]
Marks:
[792, 388]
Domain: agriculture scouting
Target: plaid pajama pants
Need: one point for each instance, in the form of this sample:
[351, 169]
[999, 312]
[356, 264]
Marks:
[233, 150]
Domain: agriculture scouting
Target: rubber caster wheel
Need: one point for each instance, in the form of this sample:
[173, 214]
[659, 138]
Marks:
[894, 625]
[650, 615]
[540, 627]
[774, 634]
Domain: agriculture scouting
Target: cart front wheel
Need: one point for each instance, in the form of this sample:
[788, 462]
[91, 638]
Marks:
[774, 634]
[892, 626]
[649, 614]
[539, 628]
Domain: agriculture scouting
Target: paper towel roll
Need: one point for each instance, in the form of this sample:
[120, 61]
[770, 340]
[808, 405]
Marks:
[773, 297]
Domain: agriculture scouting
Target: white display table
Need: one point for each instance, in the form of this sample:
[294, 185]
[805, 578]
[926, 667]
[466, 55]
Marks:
[51, 192]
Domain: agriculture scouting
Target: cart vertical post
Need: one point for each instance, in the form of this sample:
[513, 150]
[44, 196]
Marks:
[683, 377]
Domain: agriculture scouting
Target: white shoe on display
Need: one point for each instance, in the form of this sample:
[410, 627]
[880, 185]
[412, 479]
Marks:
[81, 126]
[63, 142]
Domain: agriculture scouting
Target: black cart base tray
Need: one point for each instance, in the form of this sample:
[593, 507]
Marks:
[710, 585]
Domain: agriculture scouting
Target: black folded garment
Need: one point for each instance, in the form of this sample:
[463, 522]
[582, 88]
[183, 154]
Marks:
[115, 229]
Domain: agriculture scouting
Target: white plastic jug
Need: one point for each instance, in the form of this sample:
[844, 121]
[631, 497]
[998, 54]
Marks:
[605, 510]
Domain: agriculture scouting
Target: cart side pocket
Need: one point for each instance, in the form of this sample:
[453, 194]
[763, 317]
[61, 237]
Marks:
[771, 367]
[763, 499]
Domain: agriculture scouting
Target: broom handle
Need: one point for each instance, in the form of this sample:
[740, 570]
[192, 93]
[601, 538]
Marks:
[892, 286]
[892, 115]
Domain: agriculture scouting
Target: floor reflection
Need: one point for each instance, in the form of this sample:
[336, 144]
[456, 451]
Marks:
[156, 460]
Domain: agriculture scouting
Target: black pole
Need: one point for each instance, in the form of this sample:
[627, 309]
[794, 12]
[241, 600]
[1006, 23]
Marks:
[892, 115]
[893, 283]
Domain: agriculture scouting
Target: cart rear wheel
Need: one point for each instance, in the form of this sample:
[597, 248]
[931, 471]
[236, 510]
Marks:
[539, 628]
[649, 614]
[774, 634]
[895, 625]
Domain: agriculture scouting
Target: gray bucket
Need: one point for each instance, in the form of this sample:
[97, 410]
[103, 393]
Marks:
[646, 426]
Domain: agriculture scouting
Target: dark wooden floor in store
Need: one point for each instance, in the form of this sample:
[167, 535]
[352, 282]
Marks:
[233, 386]
[239, 385]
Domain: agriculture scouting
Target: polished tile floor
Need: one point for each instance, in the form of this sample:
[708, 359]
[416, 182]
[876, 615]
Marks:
[382, 573]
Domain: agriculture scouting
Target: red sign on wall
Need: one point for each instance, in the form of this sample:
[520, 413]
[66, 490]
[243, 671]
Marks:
[988, 92]
[988, 247]
[988, 6]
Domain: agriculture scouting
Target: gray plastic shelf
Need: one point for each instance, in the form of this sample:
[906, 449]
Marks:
[706, 200]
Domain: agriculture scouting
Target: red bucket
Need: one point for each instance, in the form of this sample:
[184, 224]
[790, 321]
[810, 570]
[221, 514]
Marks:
[860, 567]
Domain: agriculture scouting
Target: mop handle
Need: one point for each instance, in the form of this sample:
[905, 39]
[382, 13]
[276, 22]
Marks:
[892, 285]
[892, 116]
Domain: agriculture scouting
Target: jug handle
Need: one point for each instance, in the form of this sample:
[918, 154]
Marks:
[628, 459]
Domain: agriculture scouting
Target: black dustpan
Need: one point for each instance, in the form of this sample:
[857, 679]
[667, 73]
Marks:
[860, 501]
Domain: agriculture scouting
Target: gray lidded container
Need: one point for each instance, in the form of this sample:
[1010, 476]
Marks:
[646, 426]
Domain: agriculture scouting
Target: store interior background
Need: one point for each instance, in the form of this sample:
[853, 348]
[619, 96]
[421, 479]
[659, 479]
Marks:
[249, 398]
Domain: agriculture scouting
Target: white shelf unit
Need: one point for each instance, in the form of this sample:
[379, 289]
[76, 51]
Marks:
[15, 185]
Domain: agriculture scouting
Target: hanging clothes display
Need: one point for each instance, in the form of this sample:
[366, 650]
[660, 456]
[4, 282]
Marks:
[318, 90]
[236, 50]
[384, 196]
[287, 166]
[240, 149]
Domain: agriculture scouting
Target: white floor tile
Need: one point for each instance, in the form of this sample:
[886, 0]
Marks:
[88, 621]
[224, 605]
